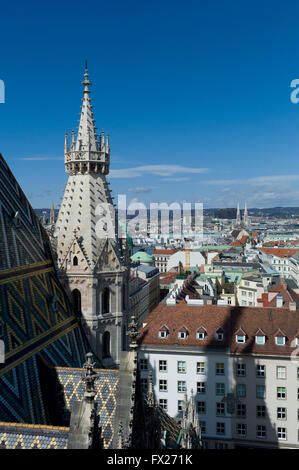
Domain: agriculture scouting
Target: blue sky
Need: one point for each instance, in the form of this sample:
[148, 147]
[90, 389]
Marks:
[195, 96]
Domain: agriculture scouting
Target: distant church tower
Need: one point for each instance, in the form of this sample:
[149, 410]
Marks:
[52, 214]
[238, 219]
[92, 260]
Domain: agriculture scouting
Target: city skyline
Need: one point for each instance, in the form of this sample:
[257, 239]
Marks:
[226, 103]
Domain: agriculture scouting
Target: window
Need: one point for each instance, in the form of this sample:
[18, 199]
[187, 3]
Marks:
[201, 387]
[260, 411]
[163, 403]
[221, 445]
[181, 367]
[220, 408]
[260, 340]
[244, 302]
[181, 386]
[281, 393]
[244, 293]
[163, 385]
[75, 261]
[241, 410]
[180, 405]
[246, 284]
[201, 407]
[106, 345]
[297, 372]
[219, 368]
[200, 368]
[282, 433]
[219, 335]
[163, 334]
[203, 427]
[261, 431]
[144, 384]
[220, 428]
[260, 370]
[229, 300]
[281, 372]
[280, 340]
[240, 339]
[182, 334]
[143, 364]
[241, 429]
[260, 391]
[201, 335]
[241, 370]
[106, 300]
[162, 366]
[241, 390]
[281, 413]
[220, 388]
[297, 393]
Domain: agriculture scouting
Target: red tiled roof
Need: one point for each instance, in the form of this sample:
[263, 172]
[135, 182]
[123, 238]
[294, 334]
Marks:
[280, 288]
[164, 252]
[213, 317]
[281, 252]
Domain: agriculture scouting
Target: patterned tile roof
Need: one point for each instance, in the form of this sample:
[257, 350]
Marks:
[106, 390]
[29, 436]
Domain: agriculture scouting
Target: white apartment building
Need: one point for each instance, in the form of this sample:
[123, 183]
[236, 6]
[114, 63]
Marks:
[236, 362]
[161, 258]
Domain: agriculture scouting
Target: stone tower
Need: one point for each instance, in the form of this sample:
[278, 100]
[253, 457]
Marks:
[92, 260]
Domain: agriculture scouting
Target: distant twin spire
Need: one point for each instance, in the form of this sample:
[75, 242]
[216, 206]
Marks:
[245, 216]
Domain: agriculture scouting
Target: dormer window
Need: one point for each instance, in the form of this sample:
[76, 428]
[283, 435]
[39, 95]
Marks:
[163, 332]
[219, 334]
[280, 340]
[201, 333]
[240, 339]
[182, 333]
[240, 336]
[260, 339]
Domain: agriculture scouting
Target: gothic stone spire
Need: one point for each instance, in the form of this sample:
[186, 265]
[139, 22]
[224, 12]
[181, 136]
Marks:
[87, 155]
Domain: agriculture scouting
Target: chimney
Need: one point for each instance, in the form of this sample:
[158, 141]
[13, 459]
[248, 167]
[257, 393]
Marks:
[279, 300]
[292, 306]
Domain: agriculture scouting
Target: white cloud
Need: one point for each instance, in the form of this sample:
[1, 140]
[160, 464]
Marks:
[139, 190]
[259, 180]
[160, 170]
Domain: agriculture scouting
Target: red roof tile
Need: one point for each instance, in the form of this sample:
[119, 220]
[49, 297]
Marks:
[213, 317]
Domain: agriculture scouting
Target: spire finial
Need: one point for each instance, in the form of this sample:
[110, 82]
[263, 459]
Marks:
[89, 378]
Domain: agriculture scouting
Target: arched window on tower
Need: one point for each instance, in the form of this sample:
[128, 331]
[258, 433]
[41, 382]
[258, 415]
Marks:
[75, 261]
[106, 300]
[106, 345]
[76, 301]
